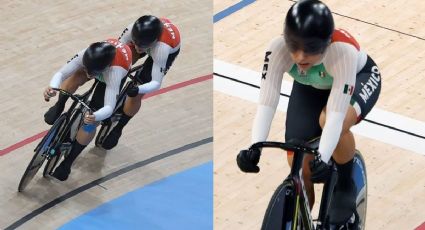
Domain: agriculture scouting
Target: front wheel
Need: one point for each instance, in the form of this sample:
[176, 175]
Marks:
[360, 180]
[45, 149]
[63, 145]
[280, 213]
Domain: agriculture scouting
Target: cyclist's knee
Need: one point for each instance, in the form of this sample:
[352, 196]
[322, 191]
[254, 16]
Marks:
[132, 105]
[86, 133]
[76, 80]
[322, 119]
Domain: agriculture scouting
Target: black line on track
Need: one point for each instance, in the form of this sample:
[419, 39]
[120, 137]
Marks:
[374, 24]
[110, 176]
[366, 120]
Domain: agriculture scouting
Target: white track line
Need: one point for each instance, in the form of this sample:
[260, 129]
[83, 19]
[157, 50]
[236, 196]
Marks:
[366, 129]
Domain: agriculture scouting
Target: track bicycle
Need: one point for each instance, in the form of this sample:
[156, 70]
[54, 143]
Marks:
[289, 207]
[57, 142]
[108, 124]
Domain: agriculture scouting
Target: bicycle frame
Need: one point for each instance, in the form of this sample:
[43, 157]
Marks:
[297, 207]
[122, 95]
[77, 100]
[302, 205]
[60, 130]
[289, 208]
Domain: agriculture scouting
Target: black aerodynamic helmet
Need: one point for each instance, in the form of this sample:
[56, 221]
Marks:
[309, 26]
[146, 30]
[98, 56]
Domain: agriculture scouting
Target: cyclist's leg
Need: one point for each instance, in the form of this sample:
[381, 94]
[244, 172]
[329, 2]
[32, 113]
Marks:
[305, 105]
[130, 108]
[345, 192]
[361, 104]
[135, 55]
[71, 85]
[84, 136]
[344, 151]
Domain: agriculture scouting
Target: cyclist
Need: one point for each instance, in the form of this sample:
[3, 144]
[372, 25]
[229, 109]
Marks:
[335, 86]
[108, 62]
[156, 37]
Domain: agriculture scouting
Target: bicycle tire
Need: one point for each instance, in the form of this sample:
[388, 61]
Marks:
[361, 200]
[74, 123]
[40, 154]
[103, 133]
[280, 211]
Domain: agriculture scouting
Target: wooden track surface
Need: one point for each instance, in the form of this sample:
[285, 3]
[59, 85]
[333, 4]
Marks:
[396, 176]
[242, 38]
[37, 38]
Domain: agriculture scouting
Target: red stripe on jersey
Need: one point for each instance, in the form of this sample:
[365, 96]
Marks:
[170, 34]
[123, 56]
[341, 35]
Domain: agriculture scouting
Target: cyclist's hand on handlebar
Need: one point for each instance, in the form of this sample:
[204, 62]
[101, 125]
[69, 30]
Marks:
[133, 91]
[320, 170]
[48, 93]
[248, 159]
[89, 118]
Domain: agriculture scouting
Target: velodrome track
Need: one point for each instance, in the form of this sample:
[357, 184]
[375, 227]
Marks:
[392, 140]
[171, 134]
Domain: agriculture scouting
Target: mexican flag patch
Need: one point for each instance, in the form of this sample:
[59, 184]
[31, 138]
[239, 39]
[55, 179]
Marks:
[348, 89]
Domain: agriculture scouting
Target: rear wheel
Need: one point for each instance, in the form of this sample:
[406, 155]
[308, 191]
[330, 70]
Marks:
[280, 212]
[44, 150]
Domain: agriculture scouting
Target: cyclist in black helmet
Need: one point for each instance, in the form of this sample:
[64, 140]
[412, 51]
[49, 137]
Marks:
[336, 84]
[108, 62]
[159, 39]
[97, 57]
[146, 31]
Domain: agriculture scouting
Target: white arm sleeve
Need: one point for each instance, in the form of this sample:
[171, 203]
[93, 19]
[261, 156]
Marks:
[125, 36]
[69, 68]
[113, 79]
[277, 61]
[341, 62]
[159, 55]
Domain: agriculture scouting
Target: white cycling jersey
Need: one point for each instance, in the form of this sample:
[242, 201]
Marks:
[168, 43]
[336, 71]
[112, 76]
